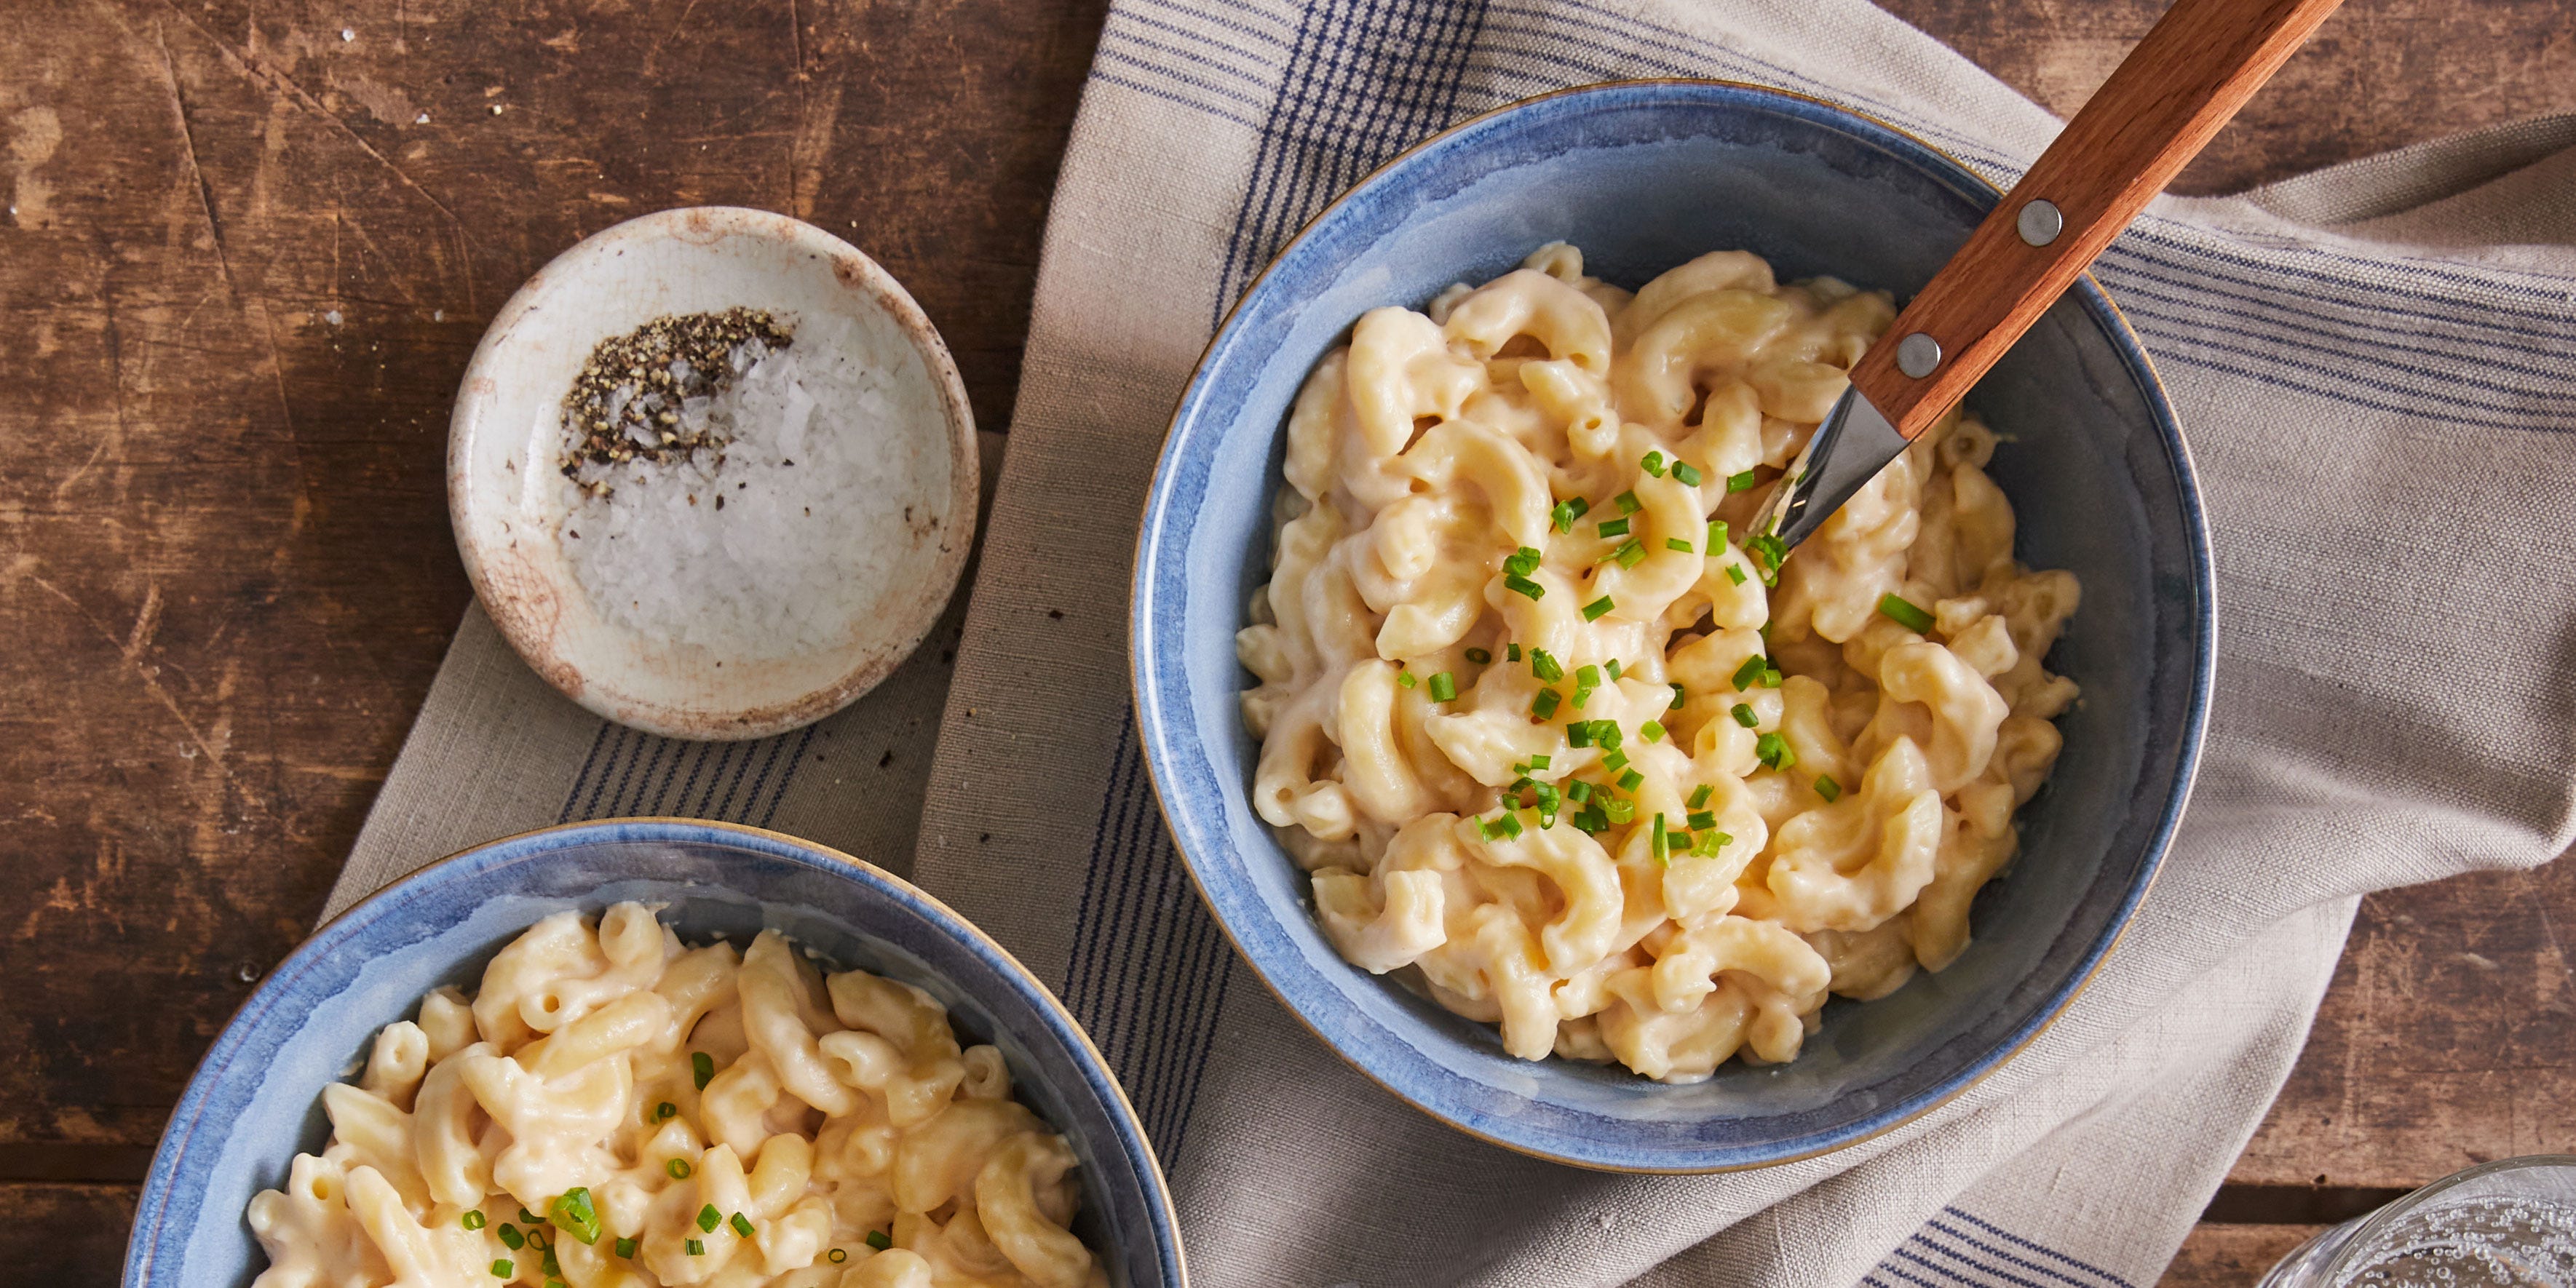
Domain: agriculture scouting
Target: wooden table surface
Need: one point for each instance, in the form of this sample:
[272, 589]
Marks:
[251, 243]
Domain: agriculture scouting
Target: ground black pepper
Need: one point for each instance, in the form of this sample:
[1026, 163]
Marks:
[625, 404]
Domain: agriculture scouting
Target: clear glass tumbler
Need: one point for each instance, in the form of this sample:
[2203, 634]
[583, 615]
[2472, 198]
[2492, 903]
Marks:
[2506, 1224]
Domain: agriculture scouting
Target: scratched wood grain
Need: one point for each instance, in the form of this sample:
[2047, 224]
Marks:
[250, 245]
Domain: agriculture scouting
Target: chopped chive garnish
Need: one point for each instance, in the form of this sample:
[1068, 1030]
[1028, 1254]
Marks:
[512, 1239]
[1739, 482]
[1700, 818]
[527, 1217]
[1543, 706]
[1618, 811]
[1829, 789]
[1511, 652]
[838, 1255]
[1582, 694]
[741, 1224]
[1735, 573]
[573, 1213]
[472, 1220]
[701, 1067]
[665, 1111]
[1538, 762]
[1630, 553]
[1605, 734]
[1687, 473]
[1615, 761]
[1578, 790]
[1676, 543]
[1588, 676]
[1631, 781]
[1593, 611]
[1700, 797]
[1770, 677]
[504, 1268]
[1612, 528]
[1677, 697]
[709, 1218]
[1751, 671]
[1444, 687]
[1768, 554]
[1709, 843]
[1509, 825]
[1660, 845]
[1578, 733]
[1562, 517]
[1524, 586]
[1717, 534]
[678, 1168]
[626, 1247]
[1902, 611]
[1612, 666]
[696, 1247]
[1773, 750]
[879, 1240]
[1523, 561]
[1404, 679]
[1479, 656]
[1545, 666]
[549, 1264]
[1653, 464]
[1628, 503]
[1651, 731]
[1744, 715]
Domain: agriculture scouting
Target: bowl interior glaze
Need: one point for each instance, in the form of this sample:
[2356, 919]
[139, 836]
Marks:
[1643, 176]
[253, 1103]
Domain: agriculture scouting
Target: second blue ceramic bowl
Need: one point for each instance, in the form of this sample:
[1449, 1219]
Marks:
[1643, 176]
[254, 1102]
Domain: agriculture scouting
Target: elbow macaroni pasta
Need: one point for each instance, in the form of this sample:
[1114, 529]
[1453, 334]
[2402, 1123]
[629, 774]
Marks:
[1557, 743]
[730, 1119]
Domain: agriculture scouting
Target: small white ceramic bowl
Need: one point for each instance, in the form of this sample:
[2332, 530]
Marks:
[505, 496]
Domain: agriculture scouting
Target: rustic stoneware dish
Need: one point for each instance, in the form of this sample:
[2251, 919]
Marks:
[253, 1102]
[1643, 176]
[504, 499]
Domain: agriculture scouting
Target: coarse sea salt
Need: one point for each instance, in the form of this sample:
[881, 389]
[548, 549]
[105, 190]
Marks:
[811, 481]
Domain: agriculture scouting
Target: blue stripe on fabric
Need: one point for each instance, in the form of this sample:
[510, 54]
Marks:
[1179, 32]
[2331, 392]
[1886, 1269]
[1169, 97]
[2132, 283]
[597, 739]
[1918, 1241]
[1239, 6]
[1178, 78]
[2038, 1248]
[1971, 1241]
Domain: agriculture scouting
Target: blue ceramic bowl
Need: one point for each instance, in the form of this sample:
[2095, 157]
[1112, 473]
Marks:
[1643, 176]
[253, 1102]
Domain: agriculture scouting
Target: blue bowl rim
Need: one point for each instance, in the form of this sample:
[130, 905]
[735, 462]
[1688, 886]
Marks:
[141, 1244]
[1146, 708]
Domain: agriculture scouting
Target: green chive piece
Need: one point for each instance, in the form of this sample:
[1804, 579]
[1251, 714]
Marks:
[573, 1213]
[527, 1217]
[1676, 543]
[1660, 845]
[696, 1247]
[741, 1224]
[549, 1264]
[1612, 666]
[1768, 554]
[1653, 464]
[1480, 657]
[701, 1068]
[1627, 503]
[1631, 781]
[1829, 789]
[1404, 679]
[1510, 823]
[1739, 482]
[472, 1220]
[1524, 586]
[1578, 790]
[1687, 473]
[1700, 797]
[1902, 611]
[1773, 750]
[1615, 761]
[1630, 553]
[1612, 528]
[1709, 843]
[626, 1247]
[879, 1240]
[1545, 666]
[1511, 652]
[709, 1218]
[512, 1239]
[1562, 517]
[1444, 687]
[1751, 671]
[1588, 676]
[1735, 573]
[1543, 706]
[1770, 677]
[1744, 715]
[1538, 762]
[1489, 829]
[1605, 734]
[1651, 731]
[1717, 534]
[1619, 811]
[665, 1111]
[1593, 611]
[1700, 818]
[1578, 733]
[1523, 561]
[1582, 694]
[1677, 697]
[678, 1168]
[503, 1269]
[836, 1256]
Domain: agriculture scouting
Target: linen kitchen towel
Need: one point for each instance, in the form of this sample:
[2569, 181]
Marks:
[2373, 366]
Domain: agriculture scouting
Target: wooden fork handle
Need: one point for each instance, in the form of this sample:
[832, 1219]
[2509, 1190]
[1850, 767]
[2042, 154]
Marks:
[2200, 63]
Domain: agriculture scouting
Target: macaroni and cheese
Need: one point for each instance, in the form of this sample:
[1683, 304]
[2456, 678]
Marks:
[1563, 743]
[614, 1110]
